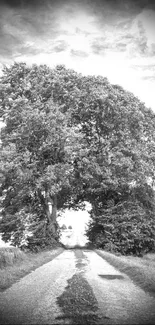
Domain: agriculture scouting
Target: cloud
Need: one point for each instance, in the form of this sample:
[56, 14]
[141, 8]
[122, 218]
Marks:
[20, 26]
[44, 21]
[143, 37]
[60, 46]
[79, 53]
[121, 46]
[149, 78]
[114, 38]
[153, 49]
[100, 45]
[22, 3]
[145, 71]
[130, 26]
[124, 24]
[144, 67]
[128, 35]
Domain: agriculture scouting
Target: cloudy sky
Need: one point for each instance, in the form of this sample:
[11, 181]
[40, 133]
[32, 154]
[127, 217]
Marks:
[115, 39]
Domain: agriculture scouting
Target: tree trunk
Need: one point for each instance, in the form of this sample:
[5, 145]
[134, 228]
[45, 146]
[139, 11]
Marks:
[51, 215]
[50, 205]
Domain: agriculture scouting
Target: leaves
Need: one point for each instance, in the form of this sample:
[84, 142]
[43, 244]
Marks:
[38, 147]
[77, 138]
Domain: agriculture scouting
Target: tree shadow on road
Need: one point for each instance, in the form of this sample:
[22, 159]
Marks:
[111, 276]
[78, 302]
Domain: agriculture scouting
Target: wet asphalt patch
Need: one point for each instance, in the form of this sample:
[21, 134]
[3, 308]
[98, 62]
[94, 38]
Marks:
[81, 260]
[80, 264]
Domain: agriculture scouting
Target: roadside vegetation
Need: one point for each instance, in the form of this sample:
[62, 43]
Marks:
[141, 270]
[15, 264]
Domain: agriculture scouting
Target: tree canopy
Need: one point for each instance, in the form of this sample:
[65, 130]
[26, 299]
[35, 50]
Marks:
[71, 138]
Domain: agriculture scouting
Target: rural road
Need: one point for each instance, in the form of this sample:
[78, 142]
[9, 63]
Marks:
[77, 287]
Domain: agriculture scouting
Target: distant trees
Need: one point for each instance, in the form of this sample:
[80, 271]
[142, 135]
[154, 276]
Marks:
[63, 227]
[71, 138]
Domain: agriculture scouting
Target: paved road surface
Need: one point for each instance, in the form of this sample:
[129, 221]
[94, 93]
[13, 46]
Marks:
[77, 287]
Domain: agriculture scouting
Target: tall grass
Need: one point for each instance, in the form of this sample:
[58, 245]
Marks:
[15, 264]
[10, 256]
[140, 270]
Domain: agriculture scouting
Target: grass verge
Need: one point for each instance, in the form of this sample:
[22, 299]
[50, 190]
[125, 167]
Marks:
[15, 264]
[141, 270]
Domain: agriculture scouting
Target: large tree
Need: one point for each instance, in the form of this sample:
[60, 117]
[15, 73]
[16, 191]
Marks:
[109, 158]
[37, 153]
[116, 169]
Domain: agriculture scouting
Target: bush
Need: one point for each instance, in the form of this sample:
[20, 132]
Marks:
[125, 228]
[39, 241]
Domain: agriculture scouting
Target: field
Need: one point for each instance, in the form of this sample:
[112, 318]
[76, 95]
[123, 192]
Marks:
[15, 264]
[141, 270]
